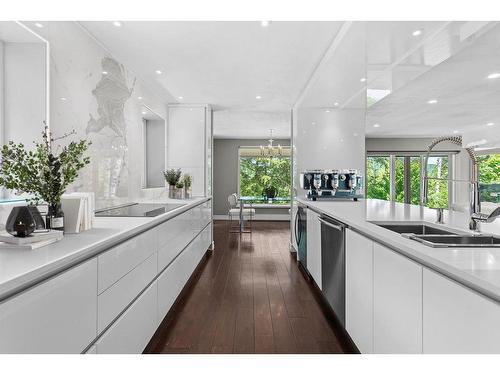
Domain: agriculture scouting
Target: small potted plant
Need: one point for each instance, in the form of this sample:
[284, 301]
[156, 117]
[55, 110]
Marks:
[43, 173]
[179, 190]
[270, 192]
[187, 180]
[172, 176]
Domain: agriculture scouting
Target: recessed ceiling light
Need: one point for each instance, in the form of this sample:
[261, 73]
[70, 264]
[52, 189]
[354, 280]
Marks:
[417, 32]
[181, 97]
[139, 97]
[117, 23]
[38, 24]
[376, 125]
[432, 101]
[363, 79]
[264, 23]
[104, 72]
[258, 97]
[455, 131]
[327, 110]
[313, 123]
[493, 75]
[143, 112]
[355, 134]
[490, 124]
[336, 104]
[63, 99]
[158, 72]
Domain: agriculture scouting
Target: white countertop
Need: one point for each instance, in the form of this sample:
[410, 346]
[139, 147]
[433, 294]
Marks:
[20, 269]
[477, 268]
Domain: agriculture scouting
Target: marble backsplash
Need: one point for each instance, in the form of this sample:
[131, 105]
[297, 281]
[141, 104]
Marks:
[95, 95]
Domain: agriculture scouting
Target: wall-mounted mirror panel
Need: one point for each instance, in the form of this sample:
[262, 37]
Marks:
[23, 85]
[154, 140]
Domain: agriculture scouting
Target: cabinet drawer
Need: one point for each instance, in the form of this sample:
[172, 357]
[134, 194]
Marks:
[132, 331]
[112, 302]
[174, 235]
[56, 316]
[118, 261]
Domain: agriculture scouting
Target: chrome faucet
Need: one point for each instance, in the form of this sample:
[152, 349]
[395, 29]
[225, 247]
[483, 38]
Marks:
[476, 218]
[474, 202]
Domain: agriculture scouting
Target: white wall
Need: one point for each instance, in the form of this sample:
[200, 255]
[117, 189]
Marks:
[330, 140]
[24, 91]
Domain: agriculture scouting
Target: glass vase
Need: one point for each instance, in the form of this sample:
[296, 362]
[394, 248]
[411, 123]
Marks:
[55, 217]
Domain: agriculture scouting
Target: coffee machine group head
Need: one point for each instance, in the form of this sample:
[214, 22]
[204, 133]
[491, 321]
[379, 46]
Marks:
[332, 184]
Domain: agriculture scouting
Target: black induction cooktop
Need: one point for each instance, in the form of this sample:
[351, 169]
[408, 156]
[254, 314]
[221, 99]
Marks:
[138, 210]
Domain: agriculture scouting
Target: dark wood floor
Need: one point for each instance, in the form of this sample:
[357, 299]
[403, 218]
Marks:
[248, 297]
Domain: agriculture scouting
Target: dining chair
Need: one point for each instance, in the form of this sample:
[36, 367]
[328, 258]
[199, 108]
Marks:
[234, 211]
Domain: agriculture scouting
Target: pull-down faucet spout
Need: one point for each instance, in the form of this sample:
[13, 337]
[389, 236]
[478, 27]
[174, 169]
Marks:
[474, 202]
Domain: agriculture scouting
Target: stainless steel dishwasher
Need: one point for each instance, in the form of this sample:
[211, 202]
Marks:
[333, 265]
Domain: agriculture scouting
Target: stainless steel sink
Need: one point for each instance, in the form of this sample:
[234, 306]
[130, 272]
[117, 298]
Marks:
[457, 240]
[435, 235]
[414, 228]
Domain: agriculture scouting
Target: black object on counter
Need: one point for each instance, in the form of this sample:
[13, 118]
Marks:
[20, 222]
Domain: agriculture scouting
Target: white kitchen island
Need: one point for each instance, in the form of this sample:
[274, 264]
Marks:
[405, 297]
[105, 290]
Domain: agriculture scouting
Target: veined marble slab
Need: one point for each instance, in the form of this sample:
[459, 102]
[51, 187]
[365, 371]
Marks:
[21, 269]
[476, 268]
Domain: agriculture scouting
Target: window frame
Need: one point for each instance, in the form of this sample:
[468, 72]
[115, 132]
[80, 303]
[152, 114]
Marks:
[392, 155]
[264, 205]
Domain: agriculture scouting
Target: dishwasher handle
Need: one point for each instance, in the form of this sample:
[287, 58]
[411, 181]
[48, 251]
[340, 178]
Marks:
[331, 225]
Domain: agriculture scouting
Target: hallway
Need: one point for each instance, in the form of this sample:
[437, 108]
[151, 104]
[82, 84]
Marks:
[248, 297]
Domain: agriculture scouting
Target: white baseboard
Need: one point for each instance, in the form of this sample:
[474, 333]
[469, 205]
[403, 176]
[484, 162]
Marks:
[260, 217]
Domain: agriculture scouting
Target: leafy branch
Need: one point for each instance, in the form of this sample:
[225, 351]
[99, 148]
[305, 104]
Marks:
[41, 172]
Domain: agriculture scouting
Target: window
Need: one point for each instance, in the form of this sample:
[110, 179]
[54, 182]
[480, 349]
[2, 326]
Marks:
[267, 179]
[399, 178]
[489, 178]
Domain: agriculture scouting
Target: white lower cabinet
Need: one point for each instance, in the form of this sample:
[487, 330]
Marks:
[174, 277]
[314, 246]
[134, 328]
[458, 320]
[57, 316]
[116, 298]
[397, 302]
[359, 290]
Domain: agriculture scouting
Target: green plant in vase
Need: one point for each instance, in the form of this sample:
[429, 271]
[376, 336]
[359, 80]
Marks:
[187, 179]
[172, 176]
[42, 172]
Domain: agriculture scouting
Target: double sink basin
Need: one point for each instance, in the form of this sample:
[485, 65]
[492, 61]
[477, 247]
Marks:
[436, 236]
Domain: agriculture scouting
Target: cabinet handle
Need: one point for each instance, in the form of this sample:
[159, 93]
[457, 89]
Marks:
[334, 226]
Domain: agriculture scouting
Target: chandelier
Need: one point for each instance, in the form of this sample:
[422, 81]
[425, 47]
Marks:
[270, 150]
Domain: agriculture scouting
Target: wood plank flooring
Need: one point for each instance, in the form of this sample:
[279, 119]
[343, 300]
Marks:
[249, 297]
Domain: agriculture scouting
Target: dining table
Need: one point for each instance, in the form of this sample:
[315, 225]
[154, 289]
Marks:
[242, 200]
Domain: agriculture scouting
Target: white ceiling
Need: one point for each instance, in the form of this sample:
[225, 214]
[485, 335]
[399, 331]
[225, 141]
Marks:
[449, 62]
[226, 64]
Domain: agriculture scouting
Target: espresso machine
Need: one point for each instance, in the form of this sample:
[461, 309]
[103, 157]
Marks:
[332, 184]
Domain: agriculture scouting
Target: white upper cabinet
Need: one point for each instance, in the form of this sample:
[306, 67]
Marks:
[397, 303]
[314, 246]
[458, 320]
[359, 290]
[189, 141]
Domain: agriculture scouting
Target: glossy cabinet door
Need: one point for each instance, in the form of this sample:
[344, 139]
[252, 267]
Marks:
[359, 290]
[116, 298]
[458, 320]
[397, 303]
[132, 331]
[187, 146]
[56, 316]
[314, 246]
[115, 263]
